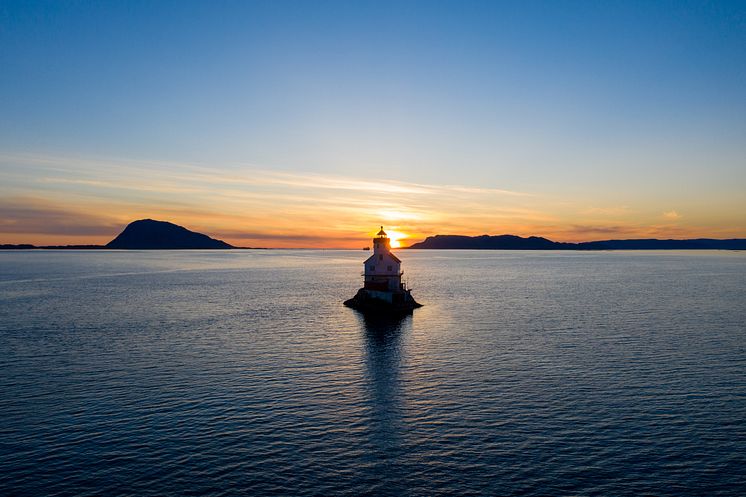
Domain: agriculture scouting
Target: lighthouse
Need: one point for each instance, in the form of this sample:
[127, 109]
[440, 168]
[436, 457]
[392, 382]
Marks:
[383, 290]
[382, 270]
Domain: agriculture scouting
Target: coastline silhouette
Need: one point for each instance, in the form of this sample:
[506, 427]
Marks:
[513, 242]
[149, 234]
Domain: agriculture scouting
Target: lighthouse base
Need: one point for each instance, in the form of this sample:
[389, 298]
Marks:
[383, 302]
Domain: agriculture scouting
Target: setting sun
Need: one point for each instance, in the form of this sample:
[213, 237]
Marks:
[396, 238]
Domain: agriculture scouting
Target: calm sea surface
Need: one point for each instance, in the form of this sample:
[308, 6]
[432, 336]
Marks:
[241, 373]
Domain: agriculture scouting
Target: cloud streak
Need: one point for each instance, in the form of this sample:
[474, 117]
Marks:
[33, 216]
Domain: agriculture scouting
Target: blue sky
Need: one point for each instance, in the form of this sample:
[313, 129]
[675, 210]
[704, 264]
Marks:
[634, 107]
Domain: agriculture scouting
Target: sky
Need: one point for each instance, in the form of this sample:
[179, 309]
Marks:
[310, 124]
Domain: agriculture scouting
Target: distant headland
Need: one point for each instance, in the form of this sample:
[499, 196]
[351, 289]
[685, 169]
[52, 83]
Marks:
[146, 234]
[512, 242]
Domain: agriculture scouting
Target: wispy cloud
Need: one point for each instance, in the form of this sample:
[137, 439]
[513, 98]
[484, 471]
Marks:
[172, 177]
[611, 211]
[672, 215]
[481, 191]
[315, 181]
[28, 215]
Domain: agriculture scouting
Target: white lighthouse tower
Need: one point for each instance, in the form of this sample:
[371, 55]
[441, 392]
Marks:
[382, 269]
[383, 291]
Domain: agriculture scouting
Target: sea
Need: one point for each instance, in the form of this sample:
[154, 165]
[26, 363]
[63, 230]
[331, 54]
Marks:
[240, 372]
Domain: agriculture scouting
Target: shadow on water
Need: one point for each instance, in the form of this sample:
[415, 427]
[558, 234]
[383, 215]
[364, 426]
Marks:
[384, 360]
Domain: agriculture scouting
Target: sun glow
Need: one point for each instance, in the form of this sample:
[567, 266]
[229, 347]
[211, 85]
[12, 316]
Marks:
[396, 238]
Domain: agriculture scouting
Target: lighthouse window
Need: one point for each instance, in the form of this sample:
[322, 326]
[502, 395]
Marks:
[372, 268]
[389, 268]
[380, 257]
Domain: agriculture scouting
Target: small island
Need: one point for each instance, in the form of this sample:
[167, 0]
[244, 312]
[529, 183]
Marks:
[144, 234]
[148, 234]
[383, 291]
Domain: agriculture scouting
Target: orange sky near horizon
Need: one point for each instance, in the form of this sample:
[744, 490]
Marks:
[62, 200]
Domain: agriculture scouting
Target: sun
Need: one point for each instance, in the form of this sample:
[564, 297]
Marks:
[396, 237]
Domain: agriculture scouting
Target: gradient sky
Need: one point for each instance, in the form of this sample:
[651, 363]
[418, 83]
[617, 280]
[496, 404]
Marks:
[309, 124]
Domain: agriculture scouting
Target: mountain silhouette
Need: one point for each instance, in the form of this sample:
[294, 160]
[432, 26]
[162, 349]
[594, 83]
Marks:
[150, 234]
[512, 242]
[505, 242]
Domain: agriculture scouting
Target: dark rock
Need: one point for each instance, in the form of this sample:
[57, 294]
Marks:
[150, 234]
[402, 302]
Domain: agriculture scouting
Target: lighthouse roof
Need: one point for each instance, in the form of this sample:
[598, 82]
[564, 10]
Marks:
[373, 258]
[381, 233]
